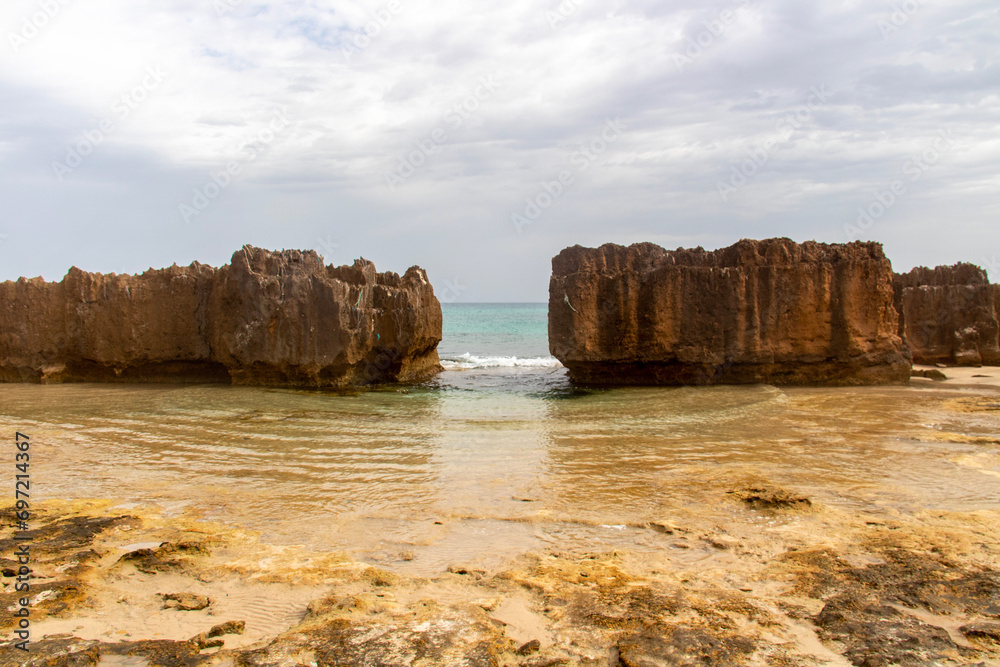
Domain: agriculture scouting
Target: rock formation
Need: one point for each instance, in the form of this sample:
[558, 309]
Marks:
[268, 318]
[770, 311]
[949, 315]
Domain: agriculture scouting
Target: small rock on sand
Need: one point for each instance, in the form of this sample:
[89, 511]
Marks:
[185, 601]
[528, 648]
[228, 628]
[930, 374]
[770, 497]
[664, 527]
[206, 640]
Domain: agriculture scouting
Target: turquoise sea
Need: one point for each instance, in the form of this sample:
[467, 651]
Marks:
[495, 335]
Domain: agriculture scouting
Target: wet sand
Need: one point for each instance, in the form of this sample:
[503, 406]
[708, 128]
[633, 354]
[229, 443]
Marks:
[971, 376]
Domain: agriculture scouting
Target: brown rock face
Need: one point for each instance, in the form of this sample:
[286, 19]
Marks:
[268, 318]
[949, 315]
[770, 311]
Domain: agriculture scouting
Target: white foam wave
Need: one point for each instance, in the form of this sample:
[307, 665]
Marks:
[469, 361]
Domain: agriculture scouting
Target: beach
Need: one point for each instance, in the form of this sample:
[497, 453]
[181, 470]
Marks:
[498, 505]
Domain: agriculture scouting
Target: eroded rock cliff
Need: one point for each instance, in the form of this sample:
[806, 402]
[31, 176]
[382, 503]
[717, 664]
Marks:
[268, 318]
[770, 311]
[949, 315]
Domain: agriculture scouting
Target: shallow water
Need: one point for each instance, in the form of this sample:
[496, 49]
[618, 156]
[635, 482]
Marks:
[483, 464]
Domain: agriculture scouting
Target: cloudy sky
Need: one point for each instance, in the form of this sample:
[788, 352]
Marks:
[479, 139]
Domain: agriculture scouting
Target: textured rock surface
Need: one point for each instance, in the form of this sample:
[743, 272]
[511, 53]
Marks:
[949, 315]
[770, 311]
[842, 588]
[268, 318]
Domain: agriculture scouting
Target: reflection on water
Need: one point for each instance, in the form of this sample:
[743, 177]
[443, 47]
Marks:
[488, 463]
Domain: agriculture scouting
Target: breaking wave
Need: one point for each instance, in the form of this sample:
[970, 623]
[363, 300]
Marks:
[469, 361]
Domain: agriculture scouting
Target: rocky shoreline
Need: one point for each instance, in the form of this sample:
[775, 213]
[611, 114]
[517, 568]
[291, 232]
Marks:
[750, 565]
[267, 318]
[771, 312]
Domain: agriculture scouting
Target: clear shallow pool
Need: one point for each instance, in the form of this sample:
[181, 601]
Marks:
[507, 460]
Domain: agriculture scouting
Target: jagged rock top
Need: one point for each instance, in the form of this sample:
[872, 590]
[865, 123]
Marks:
[957, 274]
[611, 258]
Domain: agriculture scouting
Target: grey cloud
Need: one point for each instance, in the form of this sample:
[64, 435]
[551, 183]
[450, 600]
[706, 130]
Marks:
[687, 129]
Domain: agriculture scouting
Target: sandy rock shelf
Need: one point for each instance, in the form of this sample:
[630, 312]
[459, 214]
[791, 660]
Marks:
[786, 582]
